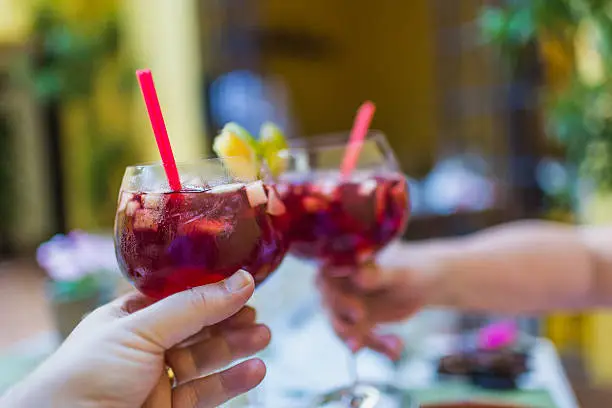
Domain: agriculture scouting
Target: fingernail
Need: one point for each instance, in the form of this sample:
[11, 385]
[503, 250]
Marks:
[238, 281]
[244, 376]
[353, 344]
[251, 339]
[392, 344]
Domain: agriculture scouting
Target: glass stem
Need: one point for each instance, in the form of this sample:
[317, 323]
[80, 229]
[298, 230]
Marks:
[353, 369]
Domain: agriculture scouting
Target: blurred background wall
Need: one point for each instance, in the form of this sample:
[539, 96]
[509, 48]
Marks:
[441, 94]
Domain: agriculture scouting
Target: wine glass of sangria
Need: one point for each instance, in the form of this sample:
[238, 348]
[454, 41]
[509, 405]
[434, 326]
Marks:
[339, 219]
[224, 218]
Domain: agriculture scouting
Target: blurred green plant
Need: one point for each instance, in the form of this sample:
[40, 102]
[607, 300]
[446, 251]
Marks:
[579, 114]
[7, 210]
[66, 61]
[83, 288]
[69, 57]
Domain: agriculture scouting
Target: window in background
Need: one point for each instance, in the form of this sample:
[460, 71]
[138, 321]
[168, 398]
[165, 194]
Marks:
[488, 110]
[249, 99]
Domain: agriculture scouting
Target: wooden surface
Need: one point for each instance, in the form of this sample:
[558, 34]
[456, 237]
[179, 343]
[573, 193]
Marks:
[24, 312]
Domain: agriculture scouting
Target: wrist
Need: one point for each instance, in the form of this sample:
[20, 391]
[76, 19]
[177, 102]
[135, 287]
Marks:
[8, 399]
[20, 396]
[441, 289]
[429, 267]
[34, 391]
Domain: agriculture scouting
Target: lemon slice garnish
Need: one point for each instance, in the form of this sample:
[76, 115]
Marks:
[272, 141]
[235, 141]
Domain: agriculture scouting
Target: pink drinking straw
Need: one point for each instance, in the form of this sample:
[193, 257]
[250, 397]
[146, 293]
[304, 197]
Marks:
[364, 116]
[159, 127]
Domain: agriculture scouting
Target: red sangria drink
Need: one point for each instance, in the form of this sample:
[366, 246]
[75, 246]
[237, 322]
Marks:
[167, 241]
[343, 221]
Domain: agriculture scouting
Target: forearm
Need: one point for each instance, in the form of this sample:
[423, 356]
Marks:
[46, 387]
[19, 396]
[526, 267]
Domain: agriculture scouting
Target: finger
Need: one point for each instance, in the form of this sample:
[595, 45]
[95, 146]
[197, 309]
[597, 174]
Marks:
[348, 333]
[216, 389]
[388, 344]
[217, 352]
[343, 329]
[127, 304]
[381, 309]
[161, 395]
[180, 316]
[358, 336]
[338, 271]
[340, 299]
[114, 310]
[245, 317]
[363, 335]
[369, 277]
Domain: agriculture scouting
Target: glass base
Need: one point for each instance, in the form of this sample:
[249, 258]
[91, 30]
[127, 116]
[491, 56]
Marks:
[366, 395]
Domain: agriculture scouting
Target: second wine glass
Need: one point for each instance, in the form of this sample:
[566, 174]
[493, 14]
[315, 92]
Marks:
[343, 219]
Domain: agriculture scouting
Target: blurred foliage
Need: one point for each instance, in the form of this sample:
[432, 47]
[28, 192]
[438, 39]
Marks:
[579, 112]
[6, 181]
[68, 56]
[69, 59]
[74, 290]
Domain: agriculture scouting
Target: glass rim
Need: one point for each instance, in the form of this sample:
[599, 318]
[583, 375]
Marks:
[200, 172]
[333, 140]
[322, 143]
[159, 163]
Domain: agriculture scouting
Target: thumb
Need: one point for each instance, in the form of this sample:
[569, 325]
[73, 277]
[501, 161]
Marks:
[177, 317]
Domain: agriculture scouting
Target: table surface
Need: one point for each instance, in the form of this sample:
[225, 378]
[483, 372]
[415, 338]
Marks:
[546, 371]
[304, 349]
[306, 363]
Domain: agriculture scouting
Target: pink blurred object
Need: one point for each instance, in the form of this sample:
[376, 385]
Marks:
[497, 335]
